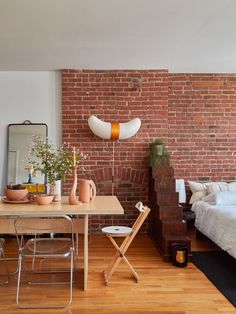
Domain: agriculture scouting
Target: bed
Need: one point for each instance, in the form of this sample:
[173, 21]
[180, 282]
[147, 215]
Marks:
[216, 219]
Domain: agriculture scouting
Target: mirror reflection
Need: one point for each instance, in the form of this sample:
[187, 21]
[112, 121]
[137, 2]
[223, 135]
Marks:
[19, 171]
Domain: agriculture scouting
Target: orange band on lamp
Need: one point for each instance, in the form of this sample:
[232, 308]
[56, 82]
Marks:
[115, 131]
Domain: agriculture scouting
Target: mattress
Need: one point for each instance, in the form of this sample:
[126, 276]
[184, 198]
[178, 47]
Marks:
[218, 223]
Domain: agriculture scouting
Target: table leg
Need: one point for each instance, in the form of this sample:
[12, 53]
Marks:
[85, 252]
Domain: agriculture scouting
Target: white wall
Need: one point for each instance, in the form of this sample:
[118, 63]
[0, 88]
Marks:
[34, 96]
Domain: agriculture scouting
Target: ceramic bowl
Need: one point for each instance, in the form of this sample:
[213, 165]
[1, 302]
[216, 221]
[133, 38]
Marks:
[44, 199]
[16, 195]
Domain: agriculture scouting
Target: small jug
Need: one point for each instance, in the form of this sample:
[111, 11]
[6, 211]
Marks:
[87, 190]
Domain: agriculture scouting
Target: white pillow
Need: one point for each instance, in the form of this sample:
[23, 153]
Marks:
[232, 186]
[226, 198]
[213, 187]
[197, 196]
[196, 186]
[198, 189]
[221, 198]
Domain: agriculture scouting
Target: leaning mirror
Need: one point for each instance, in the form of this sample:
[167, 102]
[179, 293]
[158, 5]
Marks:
[19, 140]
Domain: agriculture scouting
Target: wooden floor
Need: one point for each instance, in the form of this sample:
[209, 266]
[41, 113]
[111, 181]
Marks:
[163, 288]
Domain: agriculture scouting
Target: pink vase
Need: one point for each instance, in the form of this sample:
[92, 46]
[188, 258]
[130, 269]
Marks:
[72, 196]
[87, 190]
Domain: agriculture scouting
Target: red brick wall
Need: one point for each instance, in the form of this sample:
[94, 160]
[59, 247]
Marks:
[115, 96]
[194, 113]
[202, 125]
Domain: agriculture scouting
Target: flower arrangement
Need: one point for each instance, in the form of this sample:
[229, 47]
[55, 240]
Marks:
[54, 162]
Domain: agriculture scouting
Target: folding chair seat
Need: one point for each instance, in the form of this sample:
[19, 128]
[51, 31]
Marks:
[38, 247]
[3, 259]
[128, 234]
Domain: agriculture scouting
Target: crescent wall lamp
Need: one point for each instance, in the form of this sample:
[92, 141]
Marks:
[114, 130]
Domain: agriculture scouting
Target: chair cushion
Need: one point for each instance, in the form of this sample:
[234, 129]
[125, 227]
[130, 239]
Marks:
[117, 230]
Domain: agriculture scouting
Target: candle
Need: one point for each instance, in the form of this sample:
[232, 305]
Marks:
[74, 157]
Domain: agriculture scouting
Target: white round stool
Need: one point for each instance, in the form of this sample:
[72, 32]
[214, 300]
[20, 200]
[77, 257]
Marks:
[117, 230]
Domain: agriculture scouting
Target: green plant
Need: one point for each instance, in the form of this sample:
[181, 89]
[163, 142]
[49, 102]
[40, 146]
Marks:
[158, 155]
[55, 162]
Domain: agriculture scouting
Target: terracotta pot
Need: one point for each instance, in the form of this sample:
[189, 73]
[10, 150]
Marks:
[159, 149]
[16, 195]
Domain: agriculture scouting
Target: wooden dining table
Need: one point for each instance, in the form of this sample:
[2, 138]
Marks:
[101, 205]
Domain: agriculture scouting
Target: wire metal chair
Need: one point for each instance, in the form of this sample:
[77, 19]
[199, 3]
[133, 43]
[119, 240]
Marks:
[3, 259]
[39, 247]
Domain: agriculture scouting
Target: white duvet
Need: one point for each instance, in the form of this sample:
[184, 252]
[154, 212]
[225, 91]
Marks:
[218, 223]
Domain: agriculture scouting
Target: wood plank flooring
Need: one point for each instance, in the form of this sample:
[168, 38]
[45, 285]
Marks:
[163, 288]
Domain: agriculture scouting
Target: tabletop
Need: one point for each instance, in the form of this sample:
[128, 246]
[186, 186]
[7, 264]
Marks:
[101, 205]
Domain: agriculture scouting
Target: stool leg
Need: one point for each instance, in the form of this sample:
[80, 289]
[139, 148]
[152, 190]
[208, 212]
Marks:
[108, 273]
[120, 254]
[131, 268]
[115, 261]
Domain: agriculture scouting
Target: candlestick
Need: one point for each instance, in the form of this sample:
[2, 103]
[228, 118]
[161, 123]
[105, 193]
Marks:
[74, 157]
[72, 197]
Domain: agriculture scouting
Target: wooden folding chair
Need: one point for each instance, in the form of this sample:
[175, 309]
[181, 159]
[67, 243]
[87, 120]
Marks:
[129, 234]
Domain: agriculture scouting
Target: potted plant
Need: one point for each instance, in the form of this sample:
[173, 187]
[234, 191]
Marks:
[158, 155]
[56, 163]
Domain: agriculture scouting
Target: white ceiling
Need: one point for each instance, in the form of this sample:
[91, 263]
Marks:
[179, 35]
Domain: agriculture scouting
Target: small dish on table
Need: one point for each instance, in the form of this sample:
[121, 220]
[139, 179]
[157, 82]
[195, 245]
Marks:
[4, 199]
[44, 199]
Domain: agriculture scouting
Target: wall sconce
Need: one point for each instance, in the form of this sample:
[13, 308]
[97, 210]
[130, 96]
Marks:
[113, 131]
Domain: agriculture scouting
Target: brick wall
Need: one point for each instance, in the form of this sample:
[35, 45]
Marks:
[115, 96]
[202, 125]
[195, 114]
